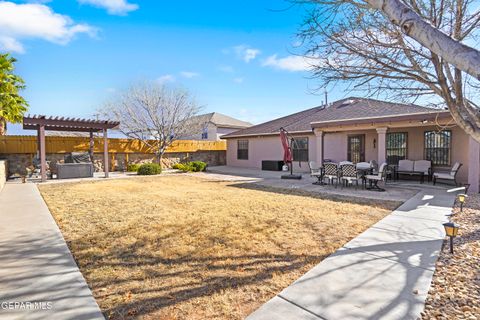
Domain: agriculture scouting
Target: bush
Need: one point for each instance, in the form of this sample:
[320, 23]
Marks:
[133, 167]
[194, 166]
[149, 169]
[198, 165]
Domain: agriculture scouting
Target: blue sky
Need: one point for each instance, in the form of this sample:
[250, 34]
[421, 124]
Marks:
[235, 56]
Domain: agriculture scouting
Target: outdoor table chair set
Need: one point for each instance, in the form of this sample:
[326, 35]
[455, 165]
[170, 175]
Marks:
[347, 173]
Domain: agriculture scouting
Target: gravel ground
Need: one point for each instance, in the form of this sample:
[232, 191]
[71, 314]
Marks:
[455, 290]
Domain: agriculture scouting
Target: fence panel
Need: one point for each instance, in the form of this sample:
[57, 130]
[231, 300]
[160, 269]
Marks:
[28, 144]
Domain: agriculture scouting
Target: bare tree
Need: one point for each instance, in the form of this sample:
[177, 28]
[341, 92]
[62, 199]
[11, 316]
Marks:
[154, 114]
[374, 52]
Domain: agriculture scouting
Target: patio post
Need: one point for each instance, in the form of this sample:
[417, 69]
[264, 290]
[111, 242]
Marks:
[91, 146]
[381, 145]
[319, 144]
[105, 152]
[473, 165]
[42, 155]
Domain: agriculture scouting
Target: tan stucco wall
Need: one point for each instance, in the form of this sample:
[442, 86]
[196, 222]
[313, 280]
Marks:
[3, 173]
[266, 148]
[335, 148]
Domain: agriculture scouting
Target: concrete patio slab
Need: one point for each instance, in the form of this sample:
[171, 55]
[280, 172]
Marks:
[38, 272]
[356, 285]
[384, 273]
[402, 247]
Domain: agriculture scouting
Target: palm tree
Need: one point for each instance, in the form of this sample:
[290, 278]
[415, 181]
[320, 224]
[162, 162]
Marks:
[12, 105]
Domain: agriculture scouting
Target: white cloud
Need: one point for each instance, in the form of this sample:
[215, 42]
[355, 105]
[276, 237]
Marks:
[238, 80]
[33, 20]
[227, 69]
[246, 53]
[114, 7]
[189, 74]
[165, 78]
[290, 63]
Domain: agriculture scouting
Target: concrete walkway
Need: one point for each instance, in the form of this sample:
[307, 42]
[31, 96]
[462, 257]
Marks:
[37, 270]
[384, 273]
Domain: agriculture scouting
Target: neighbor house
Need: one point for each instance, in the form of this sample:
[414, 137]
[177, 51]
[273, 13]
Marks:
[212, 126]
[359, 129]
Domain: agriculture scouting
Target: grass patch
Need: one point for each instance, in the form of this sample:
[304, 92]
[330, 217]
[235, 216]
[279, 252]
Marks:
[180, 247]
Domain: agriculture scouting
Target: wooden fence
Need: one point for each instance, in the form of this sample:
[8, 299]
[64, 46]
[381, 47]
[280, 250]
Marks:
[28, 144]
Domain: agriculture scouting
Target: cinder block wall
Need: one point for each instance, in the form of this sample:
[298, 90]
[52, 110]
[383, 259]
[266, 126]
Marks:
[18, 162]
[3, 173]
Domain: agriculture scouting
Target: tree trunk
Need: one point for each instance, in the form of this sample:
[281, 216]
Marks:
[456, 53]
[159, 158]
[3, 126]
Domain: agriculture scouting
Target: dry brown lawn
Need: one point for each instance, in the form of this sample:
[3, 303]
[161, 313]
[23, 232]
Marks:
[181, 247]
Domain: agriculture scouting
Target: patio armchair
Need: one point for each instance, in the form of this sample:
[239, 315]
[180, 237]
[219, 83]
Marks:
[330, 171]
[374, 165]
[374, 179]
[449, 176]
[349, 174]
[316, 172]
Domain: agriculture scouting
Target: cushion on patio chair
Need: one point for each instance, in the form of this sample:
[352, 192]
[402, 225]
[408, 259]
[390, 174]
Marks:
[455, 168]
[405, 165]
[422, 166]
[443, 175]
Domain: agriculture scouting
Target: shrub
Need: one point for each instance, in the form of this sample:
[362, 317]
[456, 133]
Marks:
[198, 165]
[133, 167]
[149, 169]
[194, 166]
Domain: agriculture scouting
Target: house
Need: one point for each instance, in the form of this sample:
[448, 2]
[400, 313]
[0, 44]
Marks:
[360, 129]
[214, 125]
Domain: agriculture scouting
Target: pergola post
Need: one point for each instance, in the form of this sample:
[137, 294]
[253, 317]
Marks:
[105, 152]
[42, 155]
[91, 146]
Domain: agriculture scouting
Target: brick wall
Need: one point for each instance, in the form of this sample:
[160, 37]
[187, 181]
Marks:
[18, 162]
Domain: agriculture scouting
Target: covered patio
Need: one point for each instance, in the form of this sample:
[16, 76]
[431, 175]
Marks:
[42, 123]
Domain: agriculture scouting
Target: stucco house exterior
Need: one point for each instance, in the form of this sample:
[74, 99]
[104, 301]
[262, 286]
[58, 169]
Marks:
[360, 129]
[212, 126]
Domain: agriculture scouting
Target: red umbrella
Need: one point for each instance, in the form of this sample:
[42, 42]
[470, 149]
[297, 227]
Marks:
[287, 152]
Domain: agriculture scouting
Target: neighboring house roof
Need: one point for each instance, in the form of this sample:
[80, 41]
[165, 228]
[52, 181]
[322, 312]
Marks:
[338, 111]
[222, 120]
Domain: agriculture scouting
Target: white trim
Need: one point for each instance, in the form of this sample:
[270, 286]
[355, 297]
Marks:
[382, 117]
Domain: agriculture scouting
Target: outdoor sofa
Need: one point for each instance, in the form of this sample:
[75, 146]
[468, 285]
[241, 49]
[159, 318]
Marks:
[419, 168]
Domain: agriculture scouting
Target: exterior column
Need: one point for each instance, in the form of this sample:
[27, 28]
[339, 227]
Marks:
[42, 155]
[105, 153]
[319, 144]
[381, 145]
[473, 165]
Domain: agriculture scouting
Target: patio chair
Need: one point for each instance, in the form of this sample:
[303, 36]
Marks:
[374, 179]
[349, 174]
[330, 171]
[374, 165]
[316, 172]
[449, 176]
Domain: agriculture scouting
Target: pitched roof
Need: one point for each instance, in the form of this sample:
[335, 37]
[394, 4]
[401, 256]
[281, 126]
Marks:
[345, 109]
[222, 120]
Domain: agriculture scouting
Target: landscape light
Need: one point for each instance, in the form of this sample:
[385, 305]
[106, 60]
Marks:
[451, 229]
[461, 198]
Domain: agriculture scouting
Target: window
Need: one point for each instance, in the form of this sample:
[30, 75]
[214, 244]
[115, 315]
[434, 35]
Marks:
[300, 149]
[438, 147]
[397, 143]
[205, 133]
[242, 149]
[356, 148]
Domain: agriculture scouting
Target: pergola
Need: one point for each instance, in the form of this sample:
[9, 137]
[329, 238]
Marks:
[43, 123]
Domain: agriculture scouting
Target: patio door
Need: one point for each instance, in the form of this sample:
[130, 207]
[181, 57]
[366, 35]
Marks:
[356, 148]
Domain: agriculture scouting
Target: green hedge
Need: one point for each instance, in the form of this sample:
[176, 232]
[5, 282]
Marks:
[149, 169]
[194, 166]
[133, 167]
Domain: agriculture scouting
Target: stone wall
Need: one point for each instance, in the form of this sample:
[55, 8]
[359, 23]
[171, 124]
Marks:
[18, 162]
